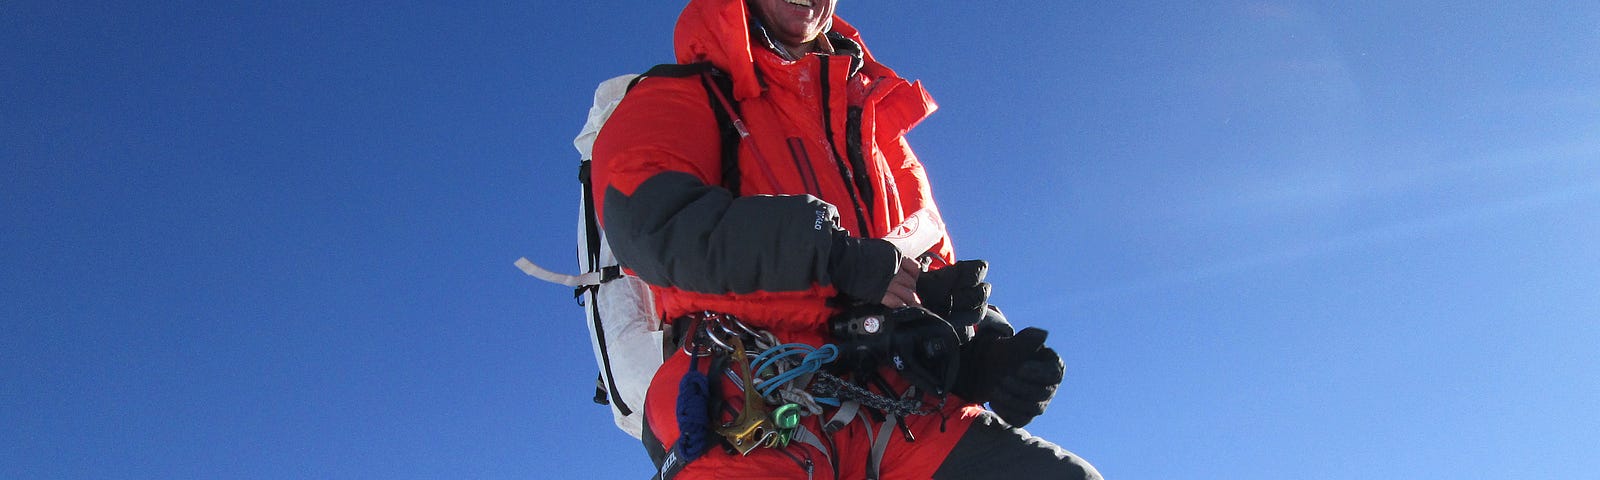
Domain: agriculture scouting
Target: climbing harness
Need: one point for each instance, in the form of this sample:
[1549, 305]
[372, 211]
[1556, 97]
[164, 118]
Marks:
[779, 384]
[770, 377]
[774, 376]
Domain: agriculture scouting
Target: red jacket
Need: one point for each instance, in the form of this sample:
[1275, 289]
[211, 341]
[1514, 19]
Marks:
[826, 156]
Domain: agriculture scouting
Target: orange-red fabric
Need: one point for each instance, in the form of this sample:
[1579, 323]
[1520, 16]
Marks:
[789, 107]
[788, 152]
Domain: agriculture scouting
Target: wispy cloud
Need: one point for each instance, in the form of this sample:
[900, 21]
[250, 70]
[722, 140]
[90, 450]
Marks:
[1554, 191]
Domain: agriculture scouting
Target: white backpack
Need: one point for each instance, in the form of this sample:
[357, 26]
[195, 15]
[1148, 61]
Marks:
[628, 338]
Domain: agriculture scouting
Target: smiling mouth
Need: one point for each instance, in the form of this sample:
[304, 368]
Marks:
[803, 3]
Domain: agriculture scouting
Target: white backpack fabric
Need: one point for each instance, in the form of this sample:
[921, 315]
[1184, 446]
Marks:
[626, 335]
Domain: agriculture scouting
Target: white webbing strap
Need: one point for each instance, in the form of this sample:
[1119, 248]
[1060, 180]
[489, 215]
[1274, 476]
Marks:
[880, 444]
[804, 436]
[846, 414]
[574, 281]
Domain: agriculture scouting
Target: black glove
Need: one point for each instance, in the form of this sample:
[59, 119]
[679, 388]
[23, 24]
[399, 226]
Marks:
[957, 293]
[1016, 374]
[983, 360]
[1027, 391]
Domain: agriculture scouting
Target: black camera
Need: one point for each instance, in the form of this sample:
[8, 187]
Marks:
[918, 344]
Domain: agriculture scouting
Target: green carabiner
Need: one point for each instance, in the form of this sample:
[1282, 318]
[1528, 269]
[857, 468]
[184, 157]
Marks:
[786, 417]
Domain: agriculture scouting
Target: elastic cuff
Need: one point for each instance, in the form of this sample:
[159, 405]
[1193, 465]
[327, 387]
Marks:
[861, 268]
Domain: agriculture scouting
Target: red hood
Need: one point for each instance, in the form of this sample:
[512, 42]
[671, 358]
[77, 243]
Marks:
[719, 31]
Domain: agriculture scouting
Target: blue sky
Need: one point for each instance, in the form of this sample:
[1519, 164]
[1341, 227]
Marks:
[1271, 239]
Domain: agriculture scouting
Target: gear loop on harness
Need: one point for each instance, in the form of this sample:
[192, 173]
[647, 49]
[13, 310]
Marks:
[716, 329]
[705, 326]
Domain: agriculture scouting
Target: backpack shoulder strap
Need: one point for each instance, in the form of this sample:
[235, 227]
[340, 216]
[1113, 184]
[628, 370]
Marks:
[675, 70]
[719, 93]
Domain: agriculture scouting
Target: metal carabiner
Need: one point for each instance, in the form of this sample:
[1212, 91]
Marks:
[744, 328]
[711, 335]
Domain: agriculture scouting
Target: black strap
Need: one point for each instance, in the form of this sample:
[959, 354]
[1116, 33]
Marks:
[711, 78]
[592, 237]
[858, 195]
[674, 70]
[600, 397]
[730, 132]
[591, 223]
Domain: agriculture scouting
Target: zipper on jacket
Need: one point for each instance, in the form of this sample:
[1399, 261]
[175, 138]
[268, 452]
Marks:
[845, 173]
[802, 164]
[804, 464]
[853, 151]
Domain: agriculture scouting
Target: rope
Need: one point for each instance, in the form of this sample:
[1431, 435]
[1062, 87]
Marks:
[694, 412]
[826, 385]
[815, 358]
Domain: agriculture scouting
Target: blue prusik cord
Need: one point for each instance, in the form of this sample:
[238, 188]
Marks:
[814, 359]
[767, 358]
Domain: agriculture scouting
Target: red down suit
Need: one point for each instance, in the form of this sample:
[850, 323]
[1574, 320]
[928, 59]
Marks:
[826, 153]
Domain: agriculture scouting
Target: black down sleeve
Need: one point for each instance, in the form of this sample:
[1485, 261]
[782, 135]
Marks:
[677, 231]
